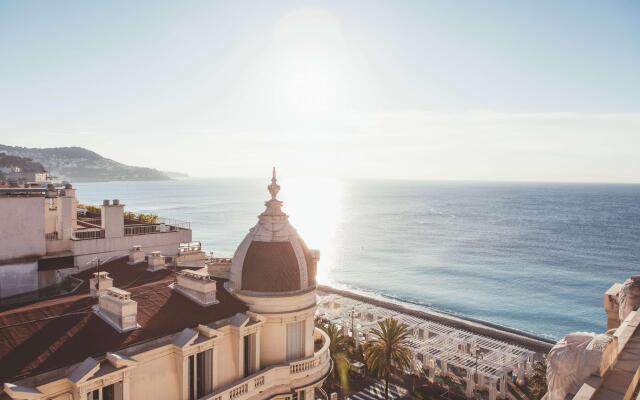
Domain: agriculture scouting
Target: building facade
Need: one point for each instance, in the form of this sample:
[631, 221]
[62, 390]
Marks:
[45, 238]
[140, 328]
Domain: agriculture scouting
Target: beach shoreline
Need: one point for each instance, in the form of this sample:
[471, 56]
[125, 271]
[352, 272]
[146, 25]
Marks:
[513, 336]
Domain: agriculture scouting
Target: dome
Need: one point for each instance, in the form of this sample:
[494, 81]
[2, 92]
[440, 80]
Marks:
[273, 258]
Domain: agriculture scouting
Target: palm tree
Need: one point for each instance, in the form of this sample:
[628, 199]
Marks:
[389, 352]
[538, 380]
[340, 346]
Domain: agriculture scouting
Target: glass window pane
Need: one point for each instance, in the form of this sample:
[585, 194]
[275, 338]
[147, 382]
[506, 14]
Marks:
[108, 393]
[191, 379]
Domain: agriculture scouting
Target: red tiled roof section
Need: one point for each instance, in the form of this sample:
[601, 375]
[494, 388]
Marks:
[59, 332]
[270, 267]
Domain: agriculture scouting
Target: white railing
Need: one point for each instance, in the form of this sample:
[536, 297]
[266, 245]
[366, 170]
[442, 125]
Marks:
[162, 225]
[90, 221]
[315, 366]
[88, 234]
[174, 222]
[258, 381]
[189, 247]
[51, 236]
[131, 230]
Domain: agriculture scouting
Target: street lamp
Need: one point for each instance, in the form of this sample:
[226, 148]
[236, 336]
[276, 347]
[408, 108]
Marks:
[476, 350]
[352, 314]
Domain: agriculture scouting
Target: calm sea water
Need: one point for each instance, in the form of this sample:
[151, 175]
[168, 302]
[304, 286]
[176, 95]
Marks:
[536, 257]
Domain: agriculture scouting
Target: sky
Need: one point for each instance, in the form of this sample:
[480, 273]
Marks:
[434, 90]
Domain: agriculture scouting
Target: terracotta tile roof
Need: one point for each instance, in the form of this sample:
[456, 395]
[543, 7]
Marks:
[55, 333]
[270, 267]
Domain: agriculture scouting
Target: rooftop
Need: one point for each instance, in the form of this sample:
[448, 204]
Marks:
[54, 333]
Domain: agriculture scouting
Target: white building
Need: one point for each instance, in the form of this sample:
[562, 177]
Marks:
[42, 236]
[139, 329]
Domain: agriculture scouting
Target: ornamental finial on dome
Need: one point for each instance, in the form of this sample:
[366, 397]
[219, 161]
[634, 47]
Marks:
[274, 188]
[274, 206]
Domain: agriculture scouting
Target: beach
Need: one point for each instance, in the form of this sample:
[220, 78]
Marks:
[523, 339]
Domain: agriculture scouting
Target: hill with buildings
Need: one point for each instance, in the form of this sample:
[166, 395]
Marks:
[13, 164]
[78, 164]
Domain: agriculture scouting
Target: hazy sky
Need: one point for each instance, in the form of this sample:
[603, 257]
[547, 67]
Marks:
[507, 90]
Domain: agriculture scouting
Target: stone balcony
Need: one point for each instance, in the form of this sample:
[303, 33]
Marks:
[280, 379]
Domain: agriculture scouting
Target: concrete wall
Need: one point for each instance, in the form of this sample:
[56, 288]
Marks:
[228, 362]
[67, 214]
[18, 278]
[273, 349]
[21, 227]
[51, 215]
[157, 379]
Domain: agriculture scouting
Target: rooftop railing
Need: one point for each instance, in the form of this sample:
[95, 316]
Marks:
[51, 236]
[90, 222]
[162, 225]
[88, 234]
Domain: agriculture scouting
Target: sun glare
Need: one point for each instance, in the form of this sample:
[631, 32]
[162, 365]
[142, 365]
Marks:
[308, 52]
[315, 207]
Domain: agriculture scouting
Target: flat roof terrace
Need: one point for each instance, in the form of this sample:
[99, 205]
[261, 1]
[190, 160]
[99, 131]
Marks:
[90, 227]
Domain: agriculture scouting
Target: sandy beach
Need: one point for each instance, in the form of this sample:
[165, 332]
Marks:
[532, 342]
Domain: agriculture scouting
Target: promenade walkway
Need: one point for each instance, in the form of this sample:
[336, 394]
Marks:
[376, 392]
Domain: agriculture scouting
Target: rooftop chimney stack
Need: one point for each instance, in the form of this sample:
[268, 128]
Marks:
[156, 261]
[197, 286]
[112, 219]
[117, 309]
[136, 255]
[99, 283]
[51, 191]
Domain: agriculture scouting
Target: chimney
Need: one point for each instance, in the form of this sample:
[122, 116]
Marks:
[112, 219]
[155, 261]
[51, 191]
[117, 309]
[99, 283]
[197, 286]
[136, 255]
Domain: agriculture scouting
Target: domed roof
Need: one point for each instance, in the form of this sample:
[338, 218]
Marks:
[273, 258]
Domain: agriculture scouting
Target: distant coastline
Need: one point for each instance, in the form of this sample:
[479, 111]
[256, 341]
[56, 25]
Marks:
[77, 164]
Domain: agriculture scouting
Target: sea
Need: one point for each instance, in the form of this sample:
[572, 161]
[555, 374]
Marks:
[536, 257]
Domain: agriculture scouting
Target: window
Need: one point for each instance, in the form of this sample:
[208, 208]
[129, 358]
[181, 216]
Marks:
[247, 355]
[298, 395]
[200, 374]
[111, 392]
[295, 340]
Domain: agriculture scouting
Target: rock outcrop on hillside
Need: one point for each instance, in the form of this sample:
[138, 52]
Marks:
[78, 164]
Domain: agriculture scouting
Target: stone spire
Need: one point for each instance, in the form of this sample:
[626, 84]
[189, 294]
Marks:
[274, 206]
[274, 188]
